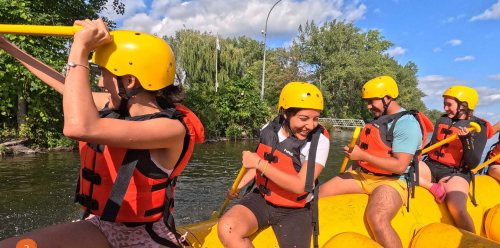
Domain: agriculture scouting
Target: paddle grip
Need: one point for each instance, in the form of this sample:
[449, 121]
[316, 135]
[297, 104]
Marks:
[351, 145]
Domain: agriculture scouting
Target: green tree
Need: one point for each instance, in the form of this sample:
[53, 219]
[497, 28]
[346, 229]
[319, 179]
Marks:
[237, 102]
[434, 114]
[37, 108]
[342, 57]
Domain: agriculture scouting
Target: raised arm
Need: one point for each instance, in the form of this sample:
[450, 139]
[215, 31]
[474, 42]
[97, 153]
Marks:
[46, 73]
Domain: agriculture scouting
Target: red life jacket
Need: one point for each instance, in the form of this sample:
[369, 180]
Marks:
[494, 150]
[284, 156]
[376, 139]
[125, 185]
[451, 154]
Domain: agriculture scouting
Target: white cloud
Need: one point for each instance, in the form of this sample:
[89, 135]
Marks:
[454, 42]
[494, 77]
[465, 58]
[487, 95]
[492, 117]
[235, 18]
[492, 13]
[451, 19]
[132, 7]
[437, 49]
[435, 85]
[396, 51]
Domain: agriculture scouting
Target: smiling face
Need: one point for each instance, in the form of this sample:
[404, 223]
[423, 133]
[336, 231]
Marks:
[376, 106]
[451, 108]
[303, 122]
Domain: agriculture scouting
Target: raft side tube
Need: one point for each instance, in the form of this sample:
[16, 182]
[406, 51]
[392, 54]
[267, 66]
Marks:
[439, 235]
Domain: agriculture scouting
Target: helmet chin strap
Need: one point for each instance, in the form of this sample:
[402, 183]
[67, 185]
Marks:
[125, 96]
[460, 109]
[386, 105]
[286, 123]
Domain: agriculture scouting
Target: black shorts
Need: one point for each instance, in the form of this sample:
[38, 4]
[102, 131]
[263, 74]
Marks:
[439, 171]
[292, 226]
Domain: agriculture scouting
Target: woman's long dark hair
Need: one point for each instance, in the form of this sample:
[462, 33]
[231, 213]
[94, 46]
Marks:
[173, 93]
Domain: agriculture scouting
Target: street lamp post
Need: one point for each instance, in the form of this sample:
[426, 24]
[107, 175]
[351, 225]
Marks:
[264, 62]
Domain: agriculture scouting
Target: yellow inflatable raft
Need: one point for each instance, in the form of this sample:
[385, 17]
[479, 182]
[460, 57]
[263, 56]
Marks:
[344, 215]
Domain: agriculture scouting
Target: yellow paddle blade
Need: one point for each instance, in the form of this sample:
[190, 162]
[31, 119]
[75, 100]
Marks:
[39, 30]
[351, 145]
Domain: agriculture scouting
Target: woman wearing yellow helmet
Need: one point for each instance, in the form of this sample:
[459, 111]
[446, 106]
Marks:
[448, 168]
[285, 165]
[130, 160]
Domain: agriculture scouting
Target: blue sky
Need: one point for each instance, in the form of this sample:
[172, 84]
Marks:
[452, 42]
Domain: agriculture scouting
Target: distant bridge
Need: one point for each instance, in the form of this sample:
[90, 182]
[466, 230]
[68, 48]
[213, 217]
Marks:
[343, 122]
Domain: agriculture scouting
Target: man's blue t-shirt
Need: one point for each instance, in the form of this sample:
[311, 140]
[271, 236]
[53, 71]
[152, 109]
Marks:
[407, 136]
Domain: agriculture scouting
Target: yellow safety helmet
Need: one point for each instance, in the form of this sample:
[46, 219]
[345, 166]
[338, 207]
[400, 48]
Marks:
[463, 94]
[147, 57]
[380, 87]
[300, 95]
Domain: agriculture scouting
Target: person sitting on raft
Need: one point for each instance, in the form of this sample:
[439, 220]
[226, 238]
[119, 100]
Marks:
[494, 168]
[282, 166]
[446, 171]
[132, 150]
[387, 147]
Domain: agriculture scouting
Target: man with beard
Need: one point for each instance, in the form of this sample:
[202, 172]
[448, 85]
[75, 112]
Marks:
[388, 144]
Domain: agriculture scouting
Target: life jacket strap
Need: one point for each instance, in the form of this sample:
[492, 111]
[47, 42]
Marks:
[364, 170]
[156, 238]
[120, 186]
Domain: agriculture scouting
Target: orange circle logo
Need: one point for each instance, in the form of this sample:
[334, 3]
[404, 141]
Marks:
[26, 243]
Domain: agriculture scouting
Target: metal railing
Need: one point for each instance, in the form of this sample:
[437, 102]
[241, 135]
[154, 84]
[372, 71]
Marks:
[343, 122]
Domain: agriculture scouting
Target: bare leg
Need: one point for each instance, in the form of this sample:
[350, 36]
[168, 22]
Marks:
[457, 190]
[81, 234]
[494, 171]
[382, 207]
[424, 175]
[235, 226]
[341, 184]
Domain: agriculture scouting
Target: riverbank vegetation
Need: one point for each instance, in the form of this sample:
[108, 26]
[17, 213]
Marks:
[336, 56]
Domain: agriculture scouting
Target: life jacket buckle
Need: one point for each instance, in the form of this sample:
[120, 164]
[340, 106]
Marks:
[264, 190]
[439, 154]
[446, 131]
[91, 176]
[87, 202]
[270, 157]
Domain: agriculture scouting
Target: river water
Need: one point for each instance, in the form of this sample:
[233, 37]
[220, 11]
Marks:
[38, 190]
